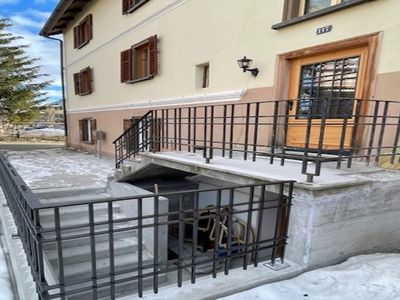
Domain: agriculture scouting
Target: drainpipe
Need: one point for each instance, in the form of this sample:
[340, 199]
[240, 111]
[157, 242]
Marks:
[62, 81]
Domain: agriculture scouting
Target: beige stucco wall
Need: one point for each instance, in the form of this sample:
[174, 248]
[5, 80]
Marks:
[192, 32]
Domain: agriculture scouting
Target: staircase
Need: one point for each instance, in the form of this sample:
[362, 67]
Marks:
[77, 258]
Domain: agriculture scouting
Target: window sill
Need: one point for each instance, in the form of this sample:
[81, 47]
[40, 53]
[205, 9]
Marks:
[137, 6]
[83, 45]
[84, 94]
[140, 79]
[88, 143]
[322, 12]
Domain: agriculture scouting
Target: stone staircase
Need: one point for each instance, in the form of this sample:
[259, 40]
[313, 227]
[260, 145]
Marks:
[77, 257]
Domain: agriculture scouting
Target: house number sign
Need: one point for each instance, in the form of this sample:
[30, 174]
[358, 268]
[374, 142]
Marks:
[324, 29]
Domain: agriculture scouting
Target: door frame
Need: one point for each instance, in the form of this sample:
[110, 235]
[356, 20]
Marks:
[283, 68]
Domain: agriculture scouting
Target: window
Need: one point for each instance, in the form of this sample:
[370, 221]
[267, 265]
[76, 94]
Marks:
[129, 6]
[331, 83]
[203, 76]
[83, 82]
[83, 33]
[140, 61]
[87, 129]
[296, 11]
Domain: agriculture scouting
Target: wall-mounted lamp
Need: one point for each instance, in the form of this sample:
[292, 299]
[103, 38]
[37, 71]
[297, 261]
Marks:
[245, 64]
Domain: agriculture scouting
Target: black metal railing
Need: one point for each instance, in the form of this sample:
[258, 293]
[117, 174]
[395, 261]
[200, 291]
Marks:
[314, 131]
[206, 231]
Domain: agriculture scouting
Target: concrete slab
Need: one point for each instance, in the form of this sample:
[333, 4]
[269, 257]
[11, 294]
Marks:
[237, 281]
[60, 169]
[261, 170]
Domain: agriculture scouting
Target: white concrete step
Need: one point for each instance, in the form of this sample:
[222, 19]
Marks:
[82, 253]
[83, 270]
[84, 197]
[76, 212]
[86, 239]
[84, 221]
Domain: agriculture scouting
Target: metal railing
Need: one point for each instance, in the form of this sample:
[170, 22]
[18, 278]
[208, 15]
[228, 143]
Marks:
[313, 131]
[213, 230]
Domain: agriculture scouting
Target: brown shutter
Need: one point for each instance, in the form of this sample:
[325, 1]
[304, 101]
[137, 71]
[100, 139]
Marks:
[76, 37]
[86, 81]
[126, 65]
[77, 83]
[81, 130]
[89, 25]
[125, 6]
[291, 9]
[89, 78]
[93, 127]
[153, 56]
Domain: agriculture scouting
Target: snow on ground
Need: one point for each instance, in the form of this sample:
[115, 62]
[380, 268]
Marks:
[45, 131]
[6, 292]
[59, 168]
[363, 277]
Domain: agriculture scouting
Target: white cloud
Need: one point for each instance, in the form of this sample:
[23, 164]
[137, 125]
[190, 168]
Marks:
[2, 2]
[27, 24]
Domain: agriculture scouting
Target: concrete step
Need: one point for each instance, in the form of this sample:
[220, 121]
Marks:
[86, 240]
[82, 253]
[82, 221]
[82, 271]
[75, 212]
[126, 289]
[82, 197]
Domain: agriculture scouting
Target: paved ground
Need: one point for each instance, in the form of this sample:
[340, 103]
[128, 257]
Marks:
[55, 167]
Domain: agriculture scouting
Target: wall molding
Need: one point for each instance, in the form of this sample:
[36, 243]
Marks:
[157, 103]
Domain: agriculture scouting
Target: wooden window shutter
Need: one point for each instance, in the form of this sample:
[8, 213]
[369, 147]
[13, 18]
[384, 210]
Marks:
[126, 6]
[76, 37]
[291, 9]
[86, 80]
[89, 78]
[93, 127]
[153, 68]
[77, 83]
[81, 130]
[89, 26]
[126, 65]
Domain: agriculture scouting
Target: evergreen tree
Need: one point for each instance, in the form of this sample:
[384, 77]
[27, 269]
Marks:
[21, 84]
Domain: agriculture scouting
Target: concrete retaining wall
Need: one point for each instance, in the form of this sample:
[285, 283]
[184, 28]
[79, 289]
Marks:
[330, 225]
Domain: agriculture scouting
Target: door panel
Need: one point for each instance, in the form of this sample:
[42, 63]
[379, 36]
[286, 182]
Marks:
[325, 87]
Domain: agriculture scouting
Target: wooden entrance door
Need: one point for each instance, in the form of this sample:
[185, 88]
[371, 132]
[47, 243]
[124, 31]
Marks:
[325, 86]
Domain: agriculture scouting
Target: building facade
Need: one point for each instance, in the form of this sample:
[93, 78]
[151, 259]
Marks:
[123, 58]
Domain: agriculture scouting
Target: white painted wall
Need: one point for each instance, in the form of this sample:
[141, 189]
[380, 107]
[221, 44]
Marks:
[192, 32]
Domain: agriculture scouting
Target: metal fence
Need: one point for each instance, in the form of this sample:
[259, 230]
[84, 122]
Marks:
[239, 226]
[313, 131]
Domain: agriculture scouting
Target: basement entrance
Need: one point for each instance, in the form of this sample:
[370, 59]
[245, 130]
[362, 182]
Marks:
[214, 226]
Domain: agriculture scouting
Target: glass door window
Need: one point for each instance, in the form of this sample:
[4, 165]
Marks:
[330, 84]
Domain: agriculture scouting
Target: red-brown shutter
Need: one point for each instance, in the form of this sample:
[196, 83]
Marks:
[93, 127]
[89, 25]
[126, 65]
[86, 81]
[77, 83]
[81, 130]
[291, 9]
[89, 78]
[125, 6]
[153, 56]
[76, 37]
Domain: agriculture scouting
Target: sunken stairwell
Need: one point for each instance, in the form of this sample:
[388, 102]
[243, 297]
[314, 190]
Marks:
[76, 252]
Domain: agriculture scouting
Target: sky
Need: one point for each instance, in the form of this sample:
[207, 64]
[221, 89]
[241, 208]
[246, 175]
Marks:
[28, 17]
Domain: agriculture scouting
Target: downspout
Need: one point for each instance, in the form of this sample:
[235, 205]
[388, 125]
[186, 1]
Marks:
[62, 82]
